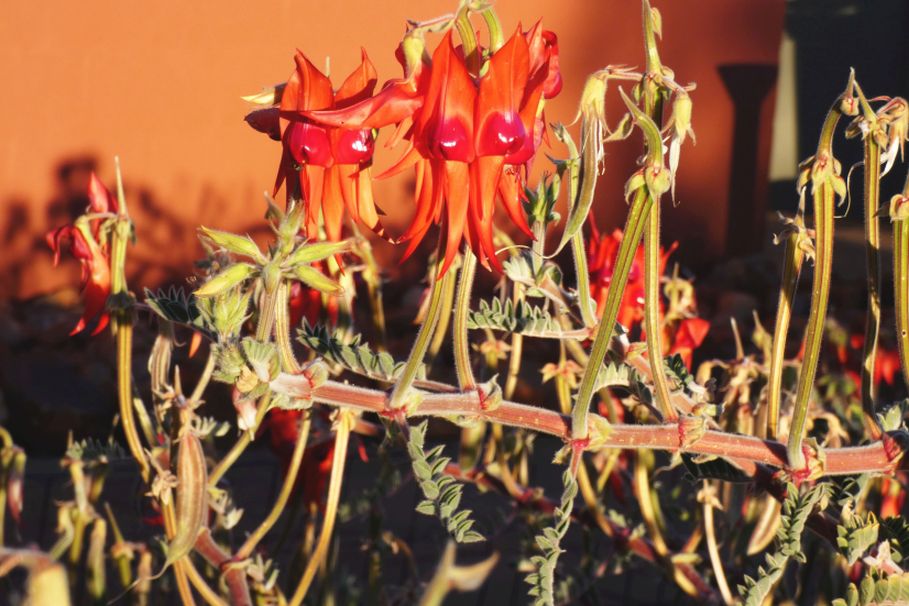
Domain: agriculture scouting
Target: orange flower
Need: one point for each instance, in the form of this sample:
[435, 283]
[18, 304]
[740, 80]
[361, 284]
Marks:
[689, 334]
[86, 243]
[470, 136]
[330, 164]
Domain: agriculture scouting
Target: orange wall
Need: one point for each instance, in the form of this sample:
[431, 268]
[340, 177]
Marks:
[159, 83]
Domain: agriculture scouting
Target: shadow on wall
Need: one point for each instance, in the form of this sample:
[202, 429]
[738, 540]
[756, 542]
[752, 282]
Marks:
[166, 245]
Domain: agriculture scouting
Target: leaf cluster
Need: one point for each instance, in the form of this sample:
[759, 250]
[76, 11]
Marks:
[442, 492]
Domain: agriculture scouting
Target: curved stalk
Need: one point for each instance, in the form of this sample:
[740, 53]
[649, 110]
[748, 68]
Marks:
[345, 422]
[793, 257]
[282, 331]
[290, 481]
[421, 343]
[199, 390]
[712, 549]
[634, 226]
[824, 198]
[466, 380]
[124, 326]
[652, 324]
[873, 256]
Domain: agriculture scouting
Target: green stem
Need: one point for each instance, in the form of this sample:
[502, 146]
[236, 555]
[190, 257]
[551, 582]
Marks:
[901, 285]
[266, 321]
[793, 258]
[466, 380]
[448, 293]
[578, 252]
[652, 323]
[873, 255]
[517, 349]
[824, 198]
[282, 331]
[424, 336]
[585, 301]
[634, 226]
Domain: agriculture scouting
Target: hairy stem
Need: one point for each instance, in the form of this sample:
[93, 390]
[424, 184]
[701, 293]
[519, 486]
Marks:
[421, 343]
[282, 331]
[713, 549]
[634, 226]
[466, 380]
[652, 323]
[746, 451]
[901, 284]
[824, 198]
[873, 254]
[793, 257]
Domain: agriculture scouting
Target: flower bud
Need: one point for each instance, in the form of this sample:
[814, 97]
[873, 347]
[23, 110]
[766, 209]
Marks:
[240, 245]
[224, 281]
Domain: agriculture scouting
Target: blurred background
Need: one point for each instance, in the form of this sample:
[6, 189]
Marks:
[159, 84]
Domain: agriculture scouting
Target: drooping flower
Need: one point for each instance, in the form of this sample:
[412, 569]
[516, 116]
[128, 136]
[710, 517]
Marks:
[85, 242]
[330, 166]
[471, 135]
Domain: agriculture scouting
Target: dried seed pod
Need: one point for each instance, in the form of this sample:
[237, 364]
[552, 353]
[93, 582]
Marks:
[191, 499]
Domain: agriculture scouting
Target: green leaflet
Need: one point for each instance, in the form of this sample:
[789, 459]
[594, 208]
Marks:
[520, 317]
[354, 356]
[796, 510]
[877, 590]
[442, 492]
[542, 580]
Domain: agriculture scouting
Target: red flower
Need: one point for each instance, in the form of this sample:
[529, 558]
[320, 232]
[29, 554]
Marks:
[84, 241]
[470, 135]
[689, 334]
[602, 251]
[331, 164]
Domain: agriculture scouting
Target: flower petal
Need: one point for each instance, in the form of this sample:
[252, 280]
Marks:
[359, 84]
[444, 128]
[500, 130]
[456, 184]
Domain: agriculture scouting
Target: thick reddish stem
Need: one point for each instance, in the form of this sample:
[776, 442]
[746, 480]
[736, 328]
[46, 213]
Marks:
[742, 450]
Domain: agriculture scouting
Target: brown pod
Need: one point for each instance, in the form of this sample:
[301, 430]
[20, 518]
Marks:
[191, 499]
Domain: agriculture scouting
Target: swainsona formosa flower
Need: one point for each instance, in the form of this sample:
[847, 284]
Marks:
[471, 134]
[86, 242]
[331, 165]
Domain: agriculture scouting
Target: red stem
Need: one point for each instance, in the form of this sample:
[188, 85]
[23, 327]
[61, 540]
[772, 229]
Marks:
[743, 450]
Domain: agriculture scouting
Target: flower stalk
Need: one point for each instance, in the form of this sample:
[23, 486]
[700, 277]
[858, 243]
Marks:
[826, 184]
[794, 255]
[463, 369]
[899, 217]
